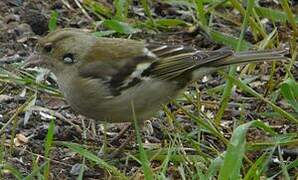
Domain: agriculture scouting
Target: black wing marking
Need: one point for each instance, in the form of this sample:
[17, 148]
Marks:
[118, 78]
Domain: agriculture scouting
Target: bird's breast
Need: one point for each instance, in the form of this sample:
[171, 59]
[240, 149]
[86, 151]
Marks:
[91, 98]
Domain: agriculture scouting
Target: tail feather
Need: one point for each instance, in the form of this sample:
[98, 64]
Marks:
[250, 57]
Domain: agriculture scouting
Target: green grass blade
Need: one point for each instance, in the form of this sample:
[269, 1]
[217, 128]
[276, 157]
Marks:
[121, 7]
[143, 157]
[18, 111]
[147, 10]
[283, 165]
[48, 145]
[258, 168]
[229, 84]
[167, 23]
[289, 90]
[35, 172]
[119, 27]
[293, 40]
[204, 123]
[91, 157]
[256, 29]
[235, 153]
[98, 8]
[15, 172]
[259, 96]
[229, 40]
[201, 12]
[273, 14]
[214, 167]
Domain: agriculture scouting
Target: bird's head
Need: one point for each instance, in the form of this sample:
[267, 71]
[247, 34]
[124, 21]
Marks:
[61, 50]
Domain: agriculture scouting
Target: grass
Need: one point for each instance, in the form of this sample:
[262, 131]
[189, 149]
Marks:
[197, 143]
[232, 72]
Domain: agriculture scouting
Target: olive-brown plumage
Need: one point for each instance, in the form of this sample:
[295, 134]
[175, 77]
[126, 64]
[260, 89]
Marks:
[101, 77]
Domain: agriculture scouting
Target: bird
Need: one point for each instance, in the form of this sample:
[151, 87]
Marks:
[102, 77]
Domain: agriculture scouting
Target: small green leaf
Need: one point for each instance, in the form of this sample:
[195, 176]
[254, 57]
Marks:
[119, 27]
[53, 21]
[289, 90]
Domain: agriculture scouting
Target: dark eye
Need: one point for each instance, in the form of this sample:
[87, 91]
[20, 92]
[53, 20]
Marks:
[68, 58]
[48, 47]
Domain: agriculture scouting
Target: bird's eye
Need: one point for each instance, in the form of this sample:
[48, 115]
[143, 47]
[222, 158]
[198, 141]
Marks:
[48, 47]
[68, 58]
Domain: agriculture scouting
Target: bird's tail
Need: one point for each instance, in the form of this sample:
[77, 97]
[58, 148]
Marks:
[250, 57]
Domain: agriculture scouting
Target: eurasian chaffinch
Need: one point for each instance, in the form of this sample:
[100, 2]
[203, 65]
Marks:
[100, 77]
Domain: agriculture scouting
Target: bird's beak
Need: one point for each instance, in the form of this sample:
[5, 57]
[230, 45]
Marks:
[33, 60]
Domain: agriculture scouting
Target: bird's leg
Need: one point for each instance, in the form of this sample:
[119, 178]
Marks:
[122, 145]
[120, 134]
[129, 138]
[120, 148]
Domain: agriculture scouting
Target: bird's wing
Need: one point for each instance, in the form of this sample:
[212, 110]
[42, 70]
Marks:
[119, 63]
[174, 61]
[134, 62]
[152, 60]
